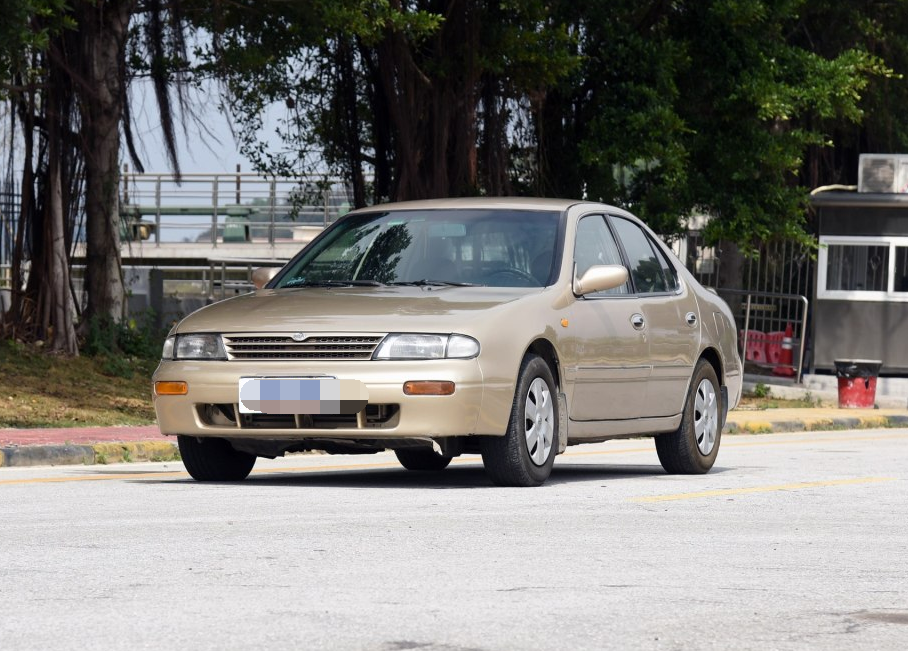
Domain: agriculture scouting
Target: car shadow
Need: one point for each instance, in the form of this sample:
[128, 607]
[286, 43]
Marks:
[453, 478]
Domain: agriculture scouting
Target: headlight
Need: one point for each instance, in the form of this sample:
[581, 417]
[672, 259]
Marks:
[194, 347]
[407, 346]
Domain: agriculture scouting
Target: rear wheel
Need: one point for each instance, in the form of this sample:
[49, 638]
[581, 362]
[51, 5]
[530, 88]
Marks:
[419, 459]
[525, 454]
[214, 459]
[692, 448]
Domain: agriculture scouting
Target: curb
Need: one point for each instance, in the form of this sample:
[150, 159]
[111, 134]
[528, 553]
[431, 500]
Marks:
[758, 426]
[97, 453]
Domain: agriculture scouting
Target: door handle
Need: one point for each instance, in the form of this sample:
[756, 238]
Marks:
[638, 321]
[691, 319]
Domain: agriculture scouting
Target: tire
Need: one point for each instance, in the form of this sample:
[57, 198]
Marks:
[692, 448]
[525, 454]
[422, 460]
[214, 459]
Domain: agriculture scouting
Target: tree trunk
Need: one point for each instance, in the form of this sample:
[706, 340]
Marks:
[104, 26]
[731, 274]
[432, 92]
[18, 305]
[347, 97]
[55, 289]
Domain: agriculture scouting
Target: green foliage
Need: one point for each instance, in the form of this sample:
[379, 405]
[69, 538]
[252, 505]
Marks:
[761, 391]
[345, 70]
[707, 106]
[27, 27]
[124, 347]
[722, 107]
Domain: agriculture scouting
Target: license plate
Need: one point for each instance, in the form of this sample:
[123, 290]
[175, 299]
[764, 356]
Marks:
[301, 395]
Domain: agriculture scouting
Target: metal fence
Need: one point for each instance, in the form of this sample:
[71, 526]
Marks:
[768, 299]
[221, 208]
[9, 209]
[772, 331]
[776, 267]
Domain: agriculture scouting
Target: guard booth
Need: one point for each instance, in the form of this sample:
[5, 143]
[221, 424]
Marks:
[861, 306]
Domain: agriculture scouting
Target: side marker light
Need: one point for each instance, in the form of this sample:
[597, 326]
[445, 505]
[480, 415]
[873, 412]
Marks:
[428, 388]
[171, 388]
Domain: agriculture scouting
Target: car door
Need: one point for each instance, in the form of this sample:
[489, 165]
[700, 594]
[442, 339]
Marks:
[671, 315]
[609, 352]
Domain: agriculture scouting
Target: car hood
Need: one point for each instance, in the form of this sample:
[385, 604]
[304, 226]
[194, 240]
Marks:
[352, 309]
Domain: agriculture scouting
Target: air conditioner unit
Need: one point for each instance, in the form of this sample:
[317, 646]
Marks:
[887, 173]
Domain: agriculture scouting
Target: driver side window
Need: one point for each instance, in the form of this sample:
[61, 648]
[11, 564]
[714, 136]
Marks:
[595, 245]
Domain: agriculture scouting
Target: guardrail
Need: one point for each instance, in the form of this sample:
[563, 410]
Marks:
[770, 323]
[223, 273]
[222, 208]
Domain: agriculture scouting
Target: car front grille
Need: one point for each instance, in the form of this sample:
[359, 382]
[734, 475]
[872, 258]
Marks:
[271, 347]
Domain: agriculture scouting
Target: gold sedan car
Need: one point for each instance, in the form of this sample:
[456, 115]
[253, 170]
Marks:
[508, 327]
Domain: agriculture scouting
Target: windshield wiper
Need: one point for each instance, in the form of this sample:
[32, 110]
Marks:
[434, 283]
[301, 282]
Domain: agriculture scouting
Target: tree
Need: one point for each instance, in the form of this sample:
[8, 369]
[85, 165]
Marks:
[103, 30]
[65, 73]
[425, 93]
[40, 97]
[701, 106]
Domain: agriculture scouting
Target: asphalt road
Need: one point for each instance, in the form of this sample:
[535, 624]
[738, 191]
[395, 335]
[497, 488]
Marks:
[794, 541]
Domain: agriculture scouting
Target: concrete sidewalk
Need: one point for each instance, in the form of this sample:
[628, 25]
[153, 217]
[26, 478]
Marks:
[78, 446]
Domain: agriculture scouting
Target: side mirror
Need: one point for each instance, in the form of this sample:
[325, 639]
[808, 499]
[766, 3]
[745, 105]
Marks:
[262, 275]
[599, 278]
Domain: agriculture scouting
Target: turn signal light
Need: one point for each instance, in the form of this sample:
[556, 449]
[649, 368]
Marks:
[171, 388]
[428, 388]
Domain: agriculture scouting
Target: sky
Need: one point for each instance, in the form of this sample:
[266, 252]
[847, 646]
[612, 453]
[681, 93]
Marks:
[198, 152]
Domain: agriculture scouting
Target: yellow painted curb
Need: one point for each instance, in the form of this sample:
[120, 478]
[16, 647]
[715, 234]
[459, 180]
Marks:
[135, 451]
[756, 426]
[871, 422]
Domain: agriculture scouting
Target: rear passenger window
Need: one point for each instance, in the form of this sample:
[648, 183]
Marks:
[650, 271]
[668, 270]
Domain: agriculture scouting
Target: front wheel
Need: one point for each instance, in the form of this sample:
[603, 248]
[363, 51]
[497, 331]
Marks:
[525, 454]
[214, 459]
[692, 448]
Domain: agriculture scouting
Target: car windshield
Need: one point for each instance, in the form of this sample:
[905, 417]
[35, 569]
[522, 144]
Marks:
[496, 248]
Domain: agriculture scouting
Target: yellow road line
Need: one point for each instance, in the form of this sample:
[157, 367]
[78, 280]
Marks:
[58, 480]
[158, 475]
[760, 489]
[809, 439]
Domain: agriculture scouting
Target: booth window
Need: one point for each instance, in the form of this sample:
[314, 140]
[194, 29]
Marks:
[857, 268]
[901, 269]
[863, 268]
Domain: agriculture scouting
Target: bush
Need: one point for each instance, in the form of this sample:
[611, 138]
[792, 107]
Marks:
[761, 391]
[122, 346]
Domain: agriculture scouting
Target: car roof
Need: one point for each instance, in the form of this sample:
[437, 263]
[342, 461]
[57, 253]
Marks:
[516, 203]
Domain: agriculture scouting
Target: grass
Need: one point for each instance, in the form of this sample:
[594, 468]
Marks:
[41, 390]
[761, 398]
[751, 402]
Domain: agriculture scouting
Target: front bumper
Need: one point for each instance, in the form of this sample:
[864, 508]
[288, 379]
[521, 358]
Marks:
[217, 383]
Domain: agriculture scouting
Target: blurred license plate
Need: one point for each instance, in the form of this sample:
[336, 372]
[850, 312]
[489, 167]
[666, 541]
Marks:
[301, 395]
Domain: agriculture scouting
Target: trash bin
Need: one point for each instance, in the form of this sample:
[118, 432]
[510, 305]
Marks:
[857, 382]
